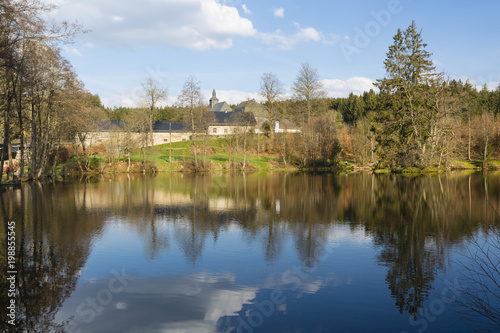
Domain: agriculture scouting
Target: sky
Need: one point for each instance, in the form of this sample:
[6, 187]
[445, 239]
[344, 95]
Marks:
[229, 44]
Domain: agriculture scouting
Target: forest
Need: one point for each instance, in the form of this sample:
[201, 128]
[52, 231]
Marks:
[42, 102]
[414, 118]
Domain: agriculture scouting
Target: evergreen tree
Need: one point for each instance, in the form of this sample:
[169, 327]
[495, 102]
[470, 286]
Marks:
[407, 112]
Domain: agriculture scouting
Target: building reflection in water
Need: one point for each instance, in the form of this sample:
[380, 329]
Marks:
[412, 224]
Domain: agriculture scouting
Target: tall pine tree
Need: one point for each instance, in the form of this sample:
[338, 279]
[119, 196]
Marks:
[405, 113]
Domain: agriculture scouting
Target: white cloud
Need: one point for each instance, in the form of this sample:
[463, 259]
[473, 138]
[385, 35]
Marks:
[478, 83]
[341, 88]
[279, 12]
[119, 100]
[207, 300]
[246, 10]
[195, 24]
[72, 50]
[493, 85]
[234, 96]
[307, 33]
[333, 87]
[129, 98]
[284, 42]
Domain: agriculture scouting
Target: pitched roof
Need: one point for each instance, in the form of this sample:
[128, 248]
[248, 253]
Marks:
[252, 106]
[120, 125]
[234, 118]
[108, 125]
[217, 118]
[222, 106]
[164, 126]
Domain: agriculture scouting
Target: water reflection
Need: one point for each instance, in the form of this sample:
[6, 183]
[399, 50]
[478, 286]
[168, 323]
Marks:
[191, 303]
[411, 224]
[53, 241]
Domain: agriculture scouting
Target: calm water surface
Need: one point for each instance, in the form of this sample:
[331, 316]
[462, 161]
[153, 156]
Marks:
[245, 253]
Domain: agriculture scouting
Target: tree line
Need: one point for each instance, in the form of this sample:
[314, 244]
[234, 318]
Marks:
[43, 104]
[419, 118]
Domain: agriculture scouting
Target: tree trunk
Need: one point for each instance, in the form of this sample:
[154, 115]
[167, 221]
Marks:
[18, 97]
[258, 146]
[47, 146]
[244, 150]
[2, 158]
[193, 137]
[151, 126]
[485, 155]
[34, 149]
[143, 159]
[468, 152]
[10, 174]
[205, 138]
[55, 161]
[21, 157]
[6, 140]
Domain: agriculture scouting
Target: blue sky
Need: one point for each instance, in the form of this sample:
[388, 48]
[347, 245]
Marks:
[229, 44]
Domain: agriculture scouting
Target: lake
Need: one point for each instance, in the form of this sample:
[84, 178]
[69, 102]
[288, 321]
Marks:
[247, 253]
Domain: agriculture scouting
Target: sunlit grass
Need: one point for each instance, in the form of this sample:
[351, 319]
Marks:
[217, 153]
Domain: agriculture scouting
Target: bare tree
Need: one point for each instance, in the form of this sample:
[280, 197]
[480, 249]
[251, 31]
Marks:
[206, 118]
[487, 130]
[282, 144]
[153, 95]
[85, 119]
[192, 99]
[33, 75]
[271, 90]
[245, 122]
[137, 122]
[479, 295]
[363, 142]
[308, 87]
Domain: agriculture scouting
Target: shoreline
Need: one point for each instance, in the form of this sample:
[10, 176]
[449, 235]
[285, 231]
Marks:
[120, 168]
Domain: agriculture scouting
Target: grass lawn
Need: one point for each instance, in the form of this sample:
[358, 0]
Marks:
[466, 164]
[217, 153]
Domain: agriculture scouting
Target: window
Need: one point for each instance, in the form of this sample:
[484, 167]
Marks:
[215, 130]
[225, 130]
[165, 140]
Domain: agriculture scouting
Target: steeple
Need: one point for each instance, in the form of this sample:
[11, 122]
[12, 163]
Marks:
[214, 100]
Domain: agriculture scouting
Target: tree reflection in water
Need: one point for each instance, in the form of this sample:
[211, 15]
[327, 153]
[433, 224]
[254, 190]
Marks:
[413, 222]
[53, 239]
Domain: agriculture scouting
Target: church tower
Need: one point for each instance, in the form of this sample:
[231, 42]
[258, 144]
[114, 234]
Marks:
[214, 100]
